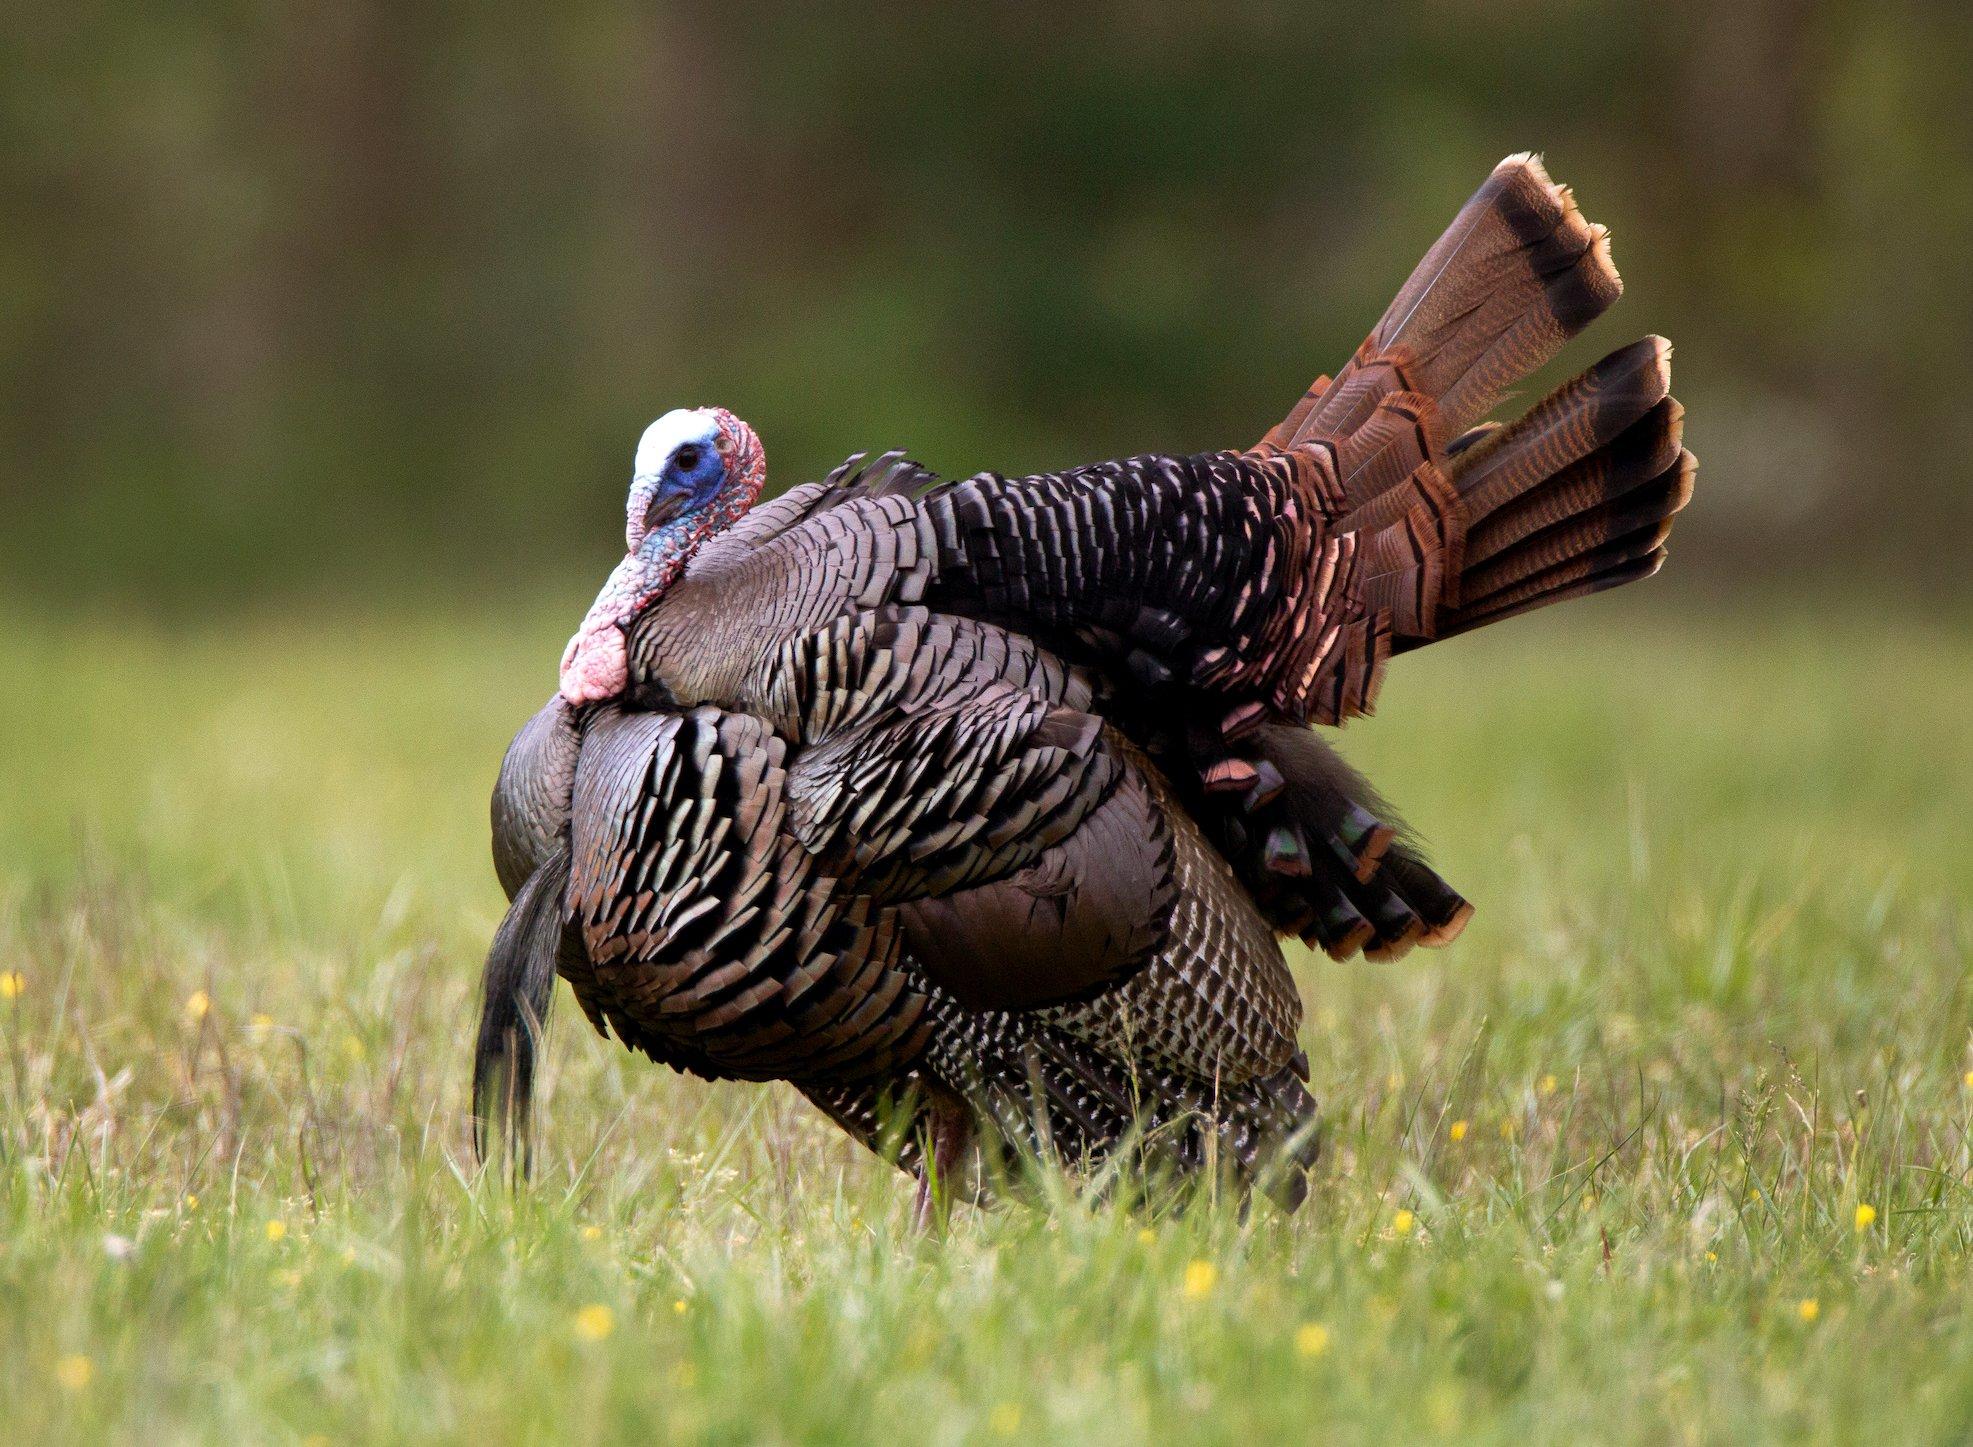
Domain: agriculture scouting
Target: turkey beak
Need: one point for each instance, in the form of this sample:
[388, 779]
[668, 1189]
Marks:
[664, 508]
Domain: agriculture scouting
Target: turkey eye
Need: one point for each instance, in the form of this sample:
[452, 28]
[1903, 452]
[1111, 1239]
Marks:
[687, 457]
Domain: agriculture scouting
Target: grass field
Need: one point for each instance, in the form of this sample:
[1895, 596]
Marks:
[1675, 1144]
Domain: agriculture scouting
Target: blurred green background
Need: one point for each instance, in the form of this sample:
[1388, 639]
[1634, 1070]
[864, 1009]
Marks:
[365, 299]
[327, 328]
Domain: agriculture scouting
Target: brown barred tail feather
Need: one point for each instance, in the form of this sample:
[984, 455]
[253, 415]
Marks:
[1433, 521]
[1517, 274]
[1452, 521]
[1575, 497]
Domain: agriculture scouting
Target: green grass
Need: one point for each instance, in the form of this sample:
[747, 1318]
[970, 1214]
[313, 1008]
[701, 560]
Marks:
[1716, 999]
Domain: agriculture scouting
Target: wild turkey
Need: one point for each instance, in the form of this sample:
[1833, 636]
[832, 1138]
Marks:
[976, 809]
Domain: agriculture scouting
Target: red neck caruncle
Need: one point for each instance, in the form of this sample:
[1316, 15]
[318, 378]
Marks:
[697, 473]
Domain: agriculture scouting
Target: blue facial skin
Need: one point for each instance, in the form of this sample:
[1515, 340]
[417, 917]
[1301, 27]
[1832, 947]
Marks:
[699, 484]
[688, 485]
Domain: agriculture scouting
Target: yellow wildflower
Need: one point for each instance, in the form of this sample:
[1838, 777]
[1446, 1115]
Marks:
[1458, 1131]
[595, 1321]
[1311, 1339]
[276, 1229]
[1146, 1236]
[1200, 1279]
[191, 1201]
[1402, 1222]
[1507, 1128]
[73, 1373]
[1005, 1419]
[1546, 1085]
[198, 1005]
[1809, 1309]
[592, 1232]
[1866, 1215]
[13, 984]
[681, 1306]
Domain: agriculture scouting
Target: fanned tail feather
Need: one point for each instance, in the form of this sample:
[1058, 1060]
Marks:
[1460, 521]
[1517, 274]
[1576, 497]
[1440, 521]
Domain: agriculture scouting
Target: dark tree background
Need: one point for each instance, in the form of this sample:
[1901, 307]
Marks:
[332, 298]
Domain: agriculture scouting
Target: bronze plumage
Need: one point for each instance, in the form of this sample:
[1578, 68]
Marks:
[976, 809]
